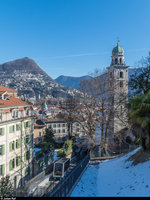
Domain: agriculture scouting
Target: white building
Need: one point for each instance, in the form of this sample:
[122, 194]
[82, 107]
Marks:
[16, 137]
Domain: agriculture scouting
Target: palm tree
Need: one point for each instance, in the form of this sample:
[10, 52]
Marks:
[140, 114]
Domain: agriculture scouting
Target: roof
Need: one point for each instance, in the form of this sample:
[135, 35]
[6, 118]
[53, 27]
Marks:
[118, 49]
[12, 102]
[6, 89]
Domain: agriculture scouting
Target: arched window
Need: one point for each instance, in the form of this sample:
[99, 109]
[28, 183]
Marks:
[121, 74]
[120, 61]
[116, 60]
[121, 83]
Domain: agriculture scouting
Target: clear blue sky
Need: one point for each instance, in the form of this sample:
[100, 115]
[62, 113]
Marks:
[73, 37]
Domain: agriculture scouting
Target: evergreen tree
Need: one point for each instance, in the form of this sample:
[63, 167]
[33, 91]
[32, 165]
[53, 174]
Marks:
[140, 114]
[48, 141]
[6, 188]
[140, 81]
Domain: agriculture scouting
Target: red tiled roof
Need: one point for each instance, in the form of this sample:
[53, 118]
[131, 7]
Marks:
[13, 101]
[6, 89]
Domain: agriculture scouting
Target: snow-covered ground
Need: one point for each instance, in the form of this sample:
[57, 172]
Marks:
[115, 178]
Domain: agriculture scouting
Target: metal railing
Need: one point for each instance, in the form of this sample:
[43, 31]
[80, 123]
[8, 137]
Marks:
[66, 185]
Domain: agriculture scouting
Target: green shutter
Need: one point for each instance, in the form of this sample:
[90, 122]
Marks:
[29, 124]
[3, 169]
[25, 140]
[30, 139]
[3, 131]
[19, 142]
[10, 147]
[10, 165]
[3, 149]
[10, 129]
[27, 171]
[19, 160]
[25, 125]
[25, 157]
[30, 153]
[19, 126]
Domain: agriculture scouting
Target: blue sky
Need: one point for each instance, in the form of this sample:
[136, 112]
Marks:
[73, 37]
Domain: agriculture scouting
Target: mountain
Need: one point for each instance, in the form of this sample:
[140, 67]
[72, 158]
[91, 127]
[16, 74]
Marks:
[31, 81]
[23, 65]
[74, 82]
[70, 81]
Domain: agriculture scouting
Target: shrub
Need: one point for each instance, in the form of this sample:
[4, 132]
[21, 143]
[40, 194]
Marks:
[61, 153]
[137, 141]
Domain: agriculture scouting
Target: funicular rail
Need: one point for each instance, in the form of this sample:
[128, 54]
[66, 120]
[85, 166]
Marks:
[66, 185]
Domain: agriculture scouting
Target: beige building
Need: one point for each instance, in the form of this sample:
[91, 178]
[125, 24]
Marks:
[16, 137]
[39, 131]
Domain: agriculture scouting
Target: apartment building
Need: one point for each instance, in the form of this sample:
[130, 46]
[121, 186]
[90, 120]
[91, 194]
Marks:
[16, 137]
[60, 128]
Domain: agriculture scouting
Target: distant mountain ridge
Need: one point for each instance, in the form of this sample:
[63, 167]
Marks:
[70, 81]
[31, 81]
[74, 82]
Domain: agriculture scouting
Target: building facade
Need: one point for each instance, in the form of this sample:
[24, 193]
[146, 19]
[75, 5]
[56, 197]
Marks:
[60, 128]
[118, 76]
[16, 137]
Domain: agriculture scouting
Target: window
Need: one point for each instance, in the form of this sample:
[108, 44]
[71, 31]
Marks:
[13, 145]
[17, 144]
[115, 60]
[0, 149]
[13, 163]
[63, 125]
[120, 61]
[15, 113]
[27, 124]
[28, 155]
[64, 130]
[2, 170]
[121, 74]
[27, 111]
[18, 160]
[27, 139]
[58, 125]
[54, 125]
[121, 84]
[40, 133]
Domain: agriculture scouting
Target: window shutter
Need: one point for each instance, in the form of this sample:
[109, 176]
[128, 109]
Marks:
[10, 147]
[19, 160]
[30, 153]
[3, 149]
[25, 125]
[3, 169]
[25, 157]
[29, 124]
[3, 131]
[19, 142]
[25, 140]
[10, 129]
[10, 165]
[30, 139]
[19, 127]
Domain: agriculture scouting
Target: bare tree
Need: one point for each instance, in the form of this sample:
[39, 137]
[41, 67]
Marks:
[104, 102]
[69, 107]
